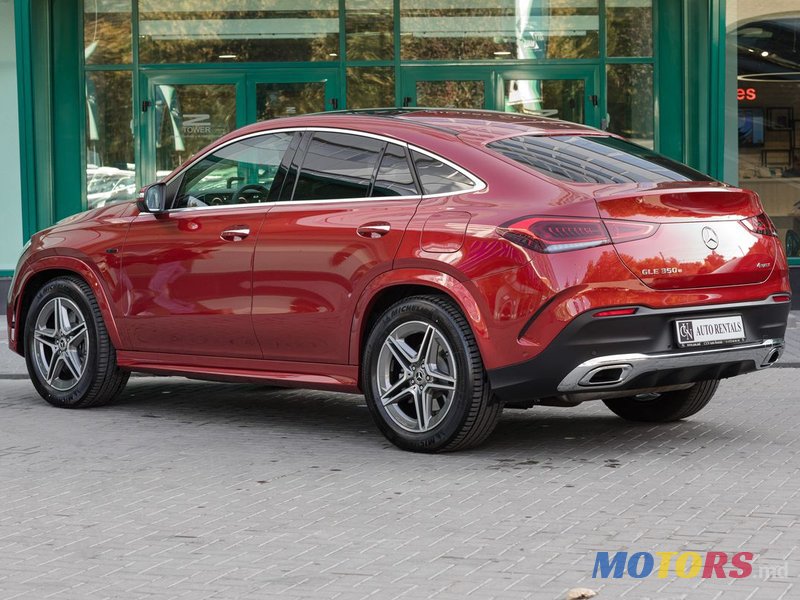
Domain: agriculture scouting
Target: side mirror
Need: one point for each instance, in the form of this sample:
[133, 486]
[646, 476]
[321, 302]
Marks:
[154, 200]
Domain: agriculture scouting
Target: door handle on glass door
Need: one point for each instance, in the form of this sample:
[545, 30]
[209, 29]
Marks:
[235, 234]
[373, 230]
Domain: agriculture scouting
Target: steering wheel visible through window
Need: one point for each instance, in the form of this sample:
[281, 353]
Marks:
[238, 173]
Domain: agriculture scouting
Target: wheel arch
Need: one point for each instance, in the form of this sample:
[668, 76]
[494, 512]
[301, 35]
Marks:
[393, 286]
[39, 275]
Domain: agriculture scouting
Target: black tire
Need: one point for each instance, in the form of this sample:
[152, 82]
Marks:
[669, 406]
[101, 380]
[472, 412]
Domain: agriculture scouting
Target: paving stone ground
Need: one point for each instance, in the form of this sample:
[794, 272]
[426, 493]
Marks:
[192, 490]
[792, 352]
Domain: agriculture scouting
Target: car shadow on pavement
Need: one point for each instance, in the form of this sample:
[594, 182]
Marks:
[588, 431]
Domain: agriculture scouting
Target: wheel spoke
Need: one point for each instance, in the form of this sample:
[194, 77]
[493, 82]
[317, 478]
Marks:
[56, 315]
[73, 363]
[424, 405]
[64, 318]
[445, 387]
[439, 379]
[426, 346]
[75, 332]
[54, 368]
[401, 353]
[45, 337]
[397, 391]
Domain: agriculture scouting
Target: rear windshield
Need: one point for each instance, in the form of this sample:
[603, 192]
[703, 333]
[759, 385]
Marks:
[594, 159]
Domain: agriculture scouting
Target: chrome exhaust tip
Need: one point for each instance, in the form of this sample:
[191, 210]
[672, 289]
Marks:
[606, 375]
[772, 357]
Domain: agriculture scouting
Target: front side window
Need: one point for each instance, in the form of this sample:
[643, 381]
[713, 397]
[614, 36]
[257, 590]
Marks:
[338, 166]
[239, 173]
[594, 159]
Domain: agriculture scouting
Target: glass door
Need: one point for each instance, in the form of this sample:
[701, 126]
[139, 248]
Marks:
[446, 87]
[185, 111]
[562, 92]
[284, 93]
[567, 93]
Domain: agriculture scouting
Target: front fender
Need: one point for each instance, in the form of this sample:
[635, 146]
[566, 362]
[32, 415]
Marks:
[72, 264]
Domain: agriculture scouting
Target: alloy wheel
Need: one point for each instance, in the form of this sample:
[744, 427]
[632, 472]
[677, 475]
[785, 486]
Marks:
[60, 344]
[416, 376]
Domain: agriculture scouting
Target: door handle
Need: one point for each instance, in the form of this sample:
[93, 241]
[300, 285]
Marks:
[373, 230]
[235, 234]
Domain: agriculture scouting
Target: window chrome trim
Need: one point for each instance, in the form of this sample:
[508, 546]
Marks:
[267, 205]
[478, 184]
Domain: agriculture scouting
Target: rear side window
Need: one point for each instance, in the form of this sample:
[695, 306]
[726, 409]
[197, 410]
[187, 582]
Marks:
[394, 176]
[594, 159]
[438, 178]
[338, 166]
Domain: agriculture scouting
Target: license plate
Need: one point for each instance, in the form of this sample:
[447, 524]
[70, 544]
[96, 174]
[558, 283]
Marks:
[706, 332]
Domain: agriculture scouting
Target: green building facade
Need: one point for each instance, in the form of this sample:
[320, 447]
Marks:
[111, 94]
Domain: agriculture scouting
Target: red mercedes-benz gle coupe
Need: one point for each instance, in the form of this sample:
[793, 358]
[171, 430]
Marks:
[445, 263]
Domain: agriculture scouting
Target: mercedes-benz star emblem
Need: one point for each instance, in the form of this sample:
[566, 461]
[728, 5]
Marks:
[710, 238]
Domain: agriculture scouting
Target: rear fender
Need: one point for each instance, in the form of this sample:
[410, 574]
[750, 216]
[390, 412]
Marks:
[436, 281]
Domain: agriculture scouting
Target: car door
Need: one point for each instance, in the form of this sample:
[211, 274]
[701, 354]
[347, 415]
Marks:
[188, 271]
[351, 198]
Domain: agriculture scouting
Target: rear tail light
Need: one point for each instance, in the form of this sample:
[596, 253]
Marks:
[627, 231]
[782, 298]
[561, 234]
[760, 224]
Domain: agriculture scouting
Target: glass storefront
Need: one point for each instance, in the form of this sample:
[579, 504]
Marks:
[369, 30]
[107, 32]
[210, 31]
[714, 83]
[370, 87]
[630, 102]
[763, 109]
[482, 29]
[163, 79]
[110, 164]
[275, 100]
[451, 92]
[561, 98]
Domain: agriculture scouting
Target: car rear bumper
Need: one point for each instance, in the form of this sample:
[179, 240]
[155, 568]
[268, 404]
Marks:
[650, 370]
[638, 352]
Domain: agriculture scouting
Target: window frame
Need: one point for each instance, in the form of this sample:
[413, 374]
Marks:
[302, 167]
[175, 185]
[411, 169]
[478, 184]
[413, 160]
